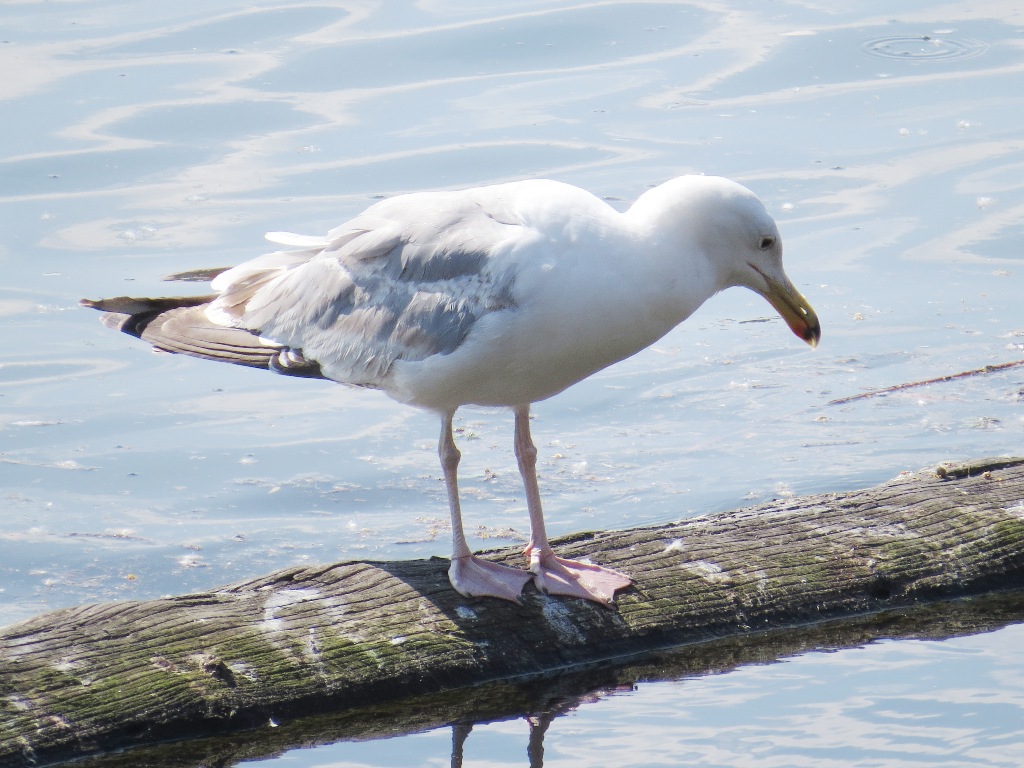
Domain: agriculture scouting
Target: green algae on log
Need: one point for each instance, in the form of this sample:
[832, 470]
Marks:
[336, 637]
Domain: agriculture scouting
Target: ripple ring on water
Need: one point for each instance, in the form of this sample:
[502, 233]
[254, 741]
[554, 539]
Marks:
[924, 48]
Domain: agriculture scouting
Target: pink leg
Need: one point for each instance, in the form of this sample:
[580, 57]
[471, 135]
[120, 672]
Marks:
[470, 575]
[552, 574]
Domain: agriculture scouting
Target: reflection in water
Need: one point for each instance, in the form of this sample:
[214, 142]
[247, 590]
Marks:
[538, 725]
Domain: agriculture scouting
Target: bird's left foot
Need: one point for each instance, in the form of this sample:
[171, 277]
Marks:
[473, 576]
[557, 576]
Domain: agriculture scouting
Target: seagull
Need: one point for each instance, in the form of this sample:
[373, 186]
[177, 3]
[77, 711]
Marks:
[501, 295]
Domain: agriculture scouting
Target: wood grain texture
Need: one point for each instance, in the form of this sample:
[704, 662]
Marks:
[357, 634]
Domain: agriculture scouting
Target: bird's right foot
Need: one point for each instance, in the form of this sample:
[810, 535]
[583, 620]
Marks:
[473, 576]
[575, 578]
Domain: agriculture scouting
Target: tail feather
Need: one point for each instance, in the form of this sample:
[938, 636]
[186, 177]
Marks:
[180, 325]
[196, 275]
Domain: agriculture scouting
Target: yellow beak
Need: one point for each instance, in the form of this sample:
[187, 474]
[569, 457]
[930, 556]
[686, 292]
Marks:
[793, 307]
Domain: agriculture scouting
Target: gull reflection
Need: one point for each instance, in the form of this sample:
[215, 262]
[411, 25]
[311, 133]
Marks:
[538, 723]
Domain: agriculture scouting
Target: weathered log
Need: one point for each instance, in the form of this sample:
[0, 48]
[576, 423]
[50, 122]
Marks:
[354, 635]
[538, 700]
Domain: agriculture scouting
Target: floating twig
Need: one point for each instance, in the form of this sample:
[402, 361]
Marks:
[937, 380]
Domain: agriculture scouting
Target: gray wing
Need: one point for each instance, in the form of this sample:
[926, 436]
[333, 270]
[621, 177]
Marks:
[406, 280]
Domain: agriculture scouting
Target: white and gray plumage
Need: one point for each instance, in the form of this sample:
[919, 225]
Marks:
[497, 296]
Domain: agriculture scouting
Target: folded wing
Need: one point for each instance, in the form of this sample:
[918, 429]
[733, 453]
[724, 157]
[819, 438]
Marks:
[405, 280]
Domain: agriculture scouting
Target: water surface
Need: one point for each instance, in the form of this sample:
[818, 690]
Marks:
[150, 138]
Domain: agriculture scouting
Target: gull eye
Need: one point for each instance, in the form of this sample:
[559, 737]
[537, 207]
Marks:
[767, 242]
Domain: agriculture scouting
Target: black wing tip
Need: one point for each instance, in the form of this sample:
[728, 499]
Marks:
[157, 321]
[290, 362]
[132, 315]
[115, 320]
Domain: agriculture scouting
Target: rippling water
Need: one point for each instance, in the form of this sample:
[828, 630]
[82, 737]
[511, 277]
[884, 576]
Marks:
[147, 138]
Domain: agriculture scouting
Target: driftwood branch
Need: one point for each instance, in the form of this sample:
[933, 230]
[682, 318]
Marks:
[925, 382]
[346, 637]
